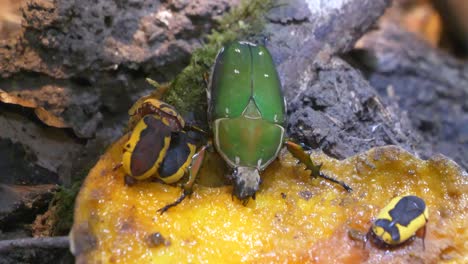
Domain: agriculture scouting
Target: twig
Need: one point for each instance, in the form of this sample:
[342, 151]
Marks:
[33, 242]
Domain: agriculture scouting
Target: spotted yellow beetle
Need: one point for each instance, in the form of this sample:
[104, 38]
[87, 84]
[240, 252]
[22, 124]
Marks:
[399, 220]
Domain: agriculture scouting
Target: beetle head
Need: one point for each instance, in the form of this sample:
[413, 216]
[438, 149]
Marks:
[246, 182]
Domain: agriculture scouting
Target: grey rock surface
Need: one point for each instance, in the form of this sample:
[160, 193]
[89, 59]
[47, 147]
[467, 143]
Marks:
[428, 84]
[71, 38]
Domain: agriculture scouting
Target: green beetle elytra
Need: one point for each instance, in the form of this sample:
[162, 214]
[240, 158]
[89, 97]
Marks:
[246, 110]
[399, 220]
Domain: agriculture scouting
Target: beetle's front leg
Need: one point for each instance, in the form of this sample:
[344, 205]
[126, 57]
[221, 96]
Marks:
[187, 188]
[300, 153]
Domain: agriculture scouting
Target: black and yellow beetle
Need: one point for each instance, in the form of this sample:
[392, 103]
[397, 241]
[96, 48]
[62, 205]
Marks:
[399, 221]
[158, 146]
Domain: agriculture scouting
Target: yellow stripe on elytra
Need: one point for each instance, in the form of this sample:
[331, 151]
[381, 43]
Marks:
[182, 170]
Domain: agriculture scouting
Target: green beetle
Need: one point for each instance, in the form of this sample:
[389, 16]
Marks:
[247, 113]
[246, 109]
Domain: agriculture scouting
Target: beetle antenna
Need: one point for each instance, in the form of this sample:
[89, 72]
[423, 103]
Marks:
[366, 238]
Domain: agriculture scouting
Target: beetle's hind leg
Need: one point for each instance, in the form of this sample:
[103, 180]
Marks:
[187, 188]
[176, 202]
[424, 237]
[299, 152]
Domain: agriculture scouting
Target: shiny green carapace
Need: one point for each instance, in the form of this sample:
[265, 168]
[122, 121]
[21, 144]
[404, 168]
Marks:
[247, 106]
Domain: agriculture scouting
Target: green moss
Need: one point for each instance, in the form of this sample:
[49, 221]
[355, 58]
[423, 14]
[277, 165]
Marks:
[61, 209]
[187, 92]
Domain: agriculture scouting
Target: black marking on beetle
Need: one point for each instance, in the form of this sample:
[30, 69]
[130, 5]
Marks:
[407, 209]
[389, 227]
[148, 148]
[176, 155]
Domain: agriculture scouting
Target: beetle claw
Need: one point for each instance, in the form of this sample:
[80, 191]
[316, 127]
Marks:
[129, 180]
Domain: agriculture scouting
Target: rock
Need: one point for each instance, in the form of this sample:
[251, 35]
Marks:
[19, 205]
[343, 115]
[429, 85]
[68, 38]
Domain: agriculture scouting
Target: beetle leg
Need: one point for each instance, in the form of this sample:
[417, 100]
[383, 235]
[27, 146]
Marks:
[195, 129]
[129, 180]
[187, 188]
[424, 237]
[197, 161]
[366, 238]
[299, 153]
